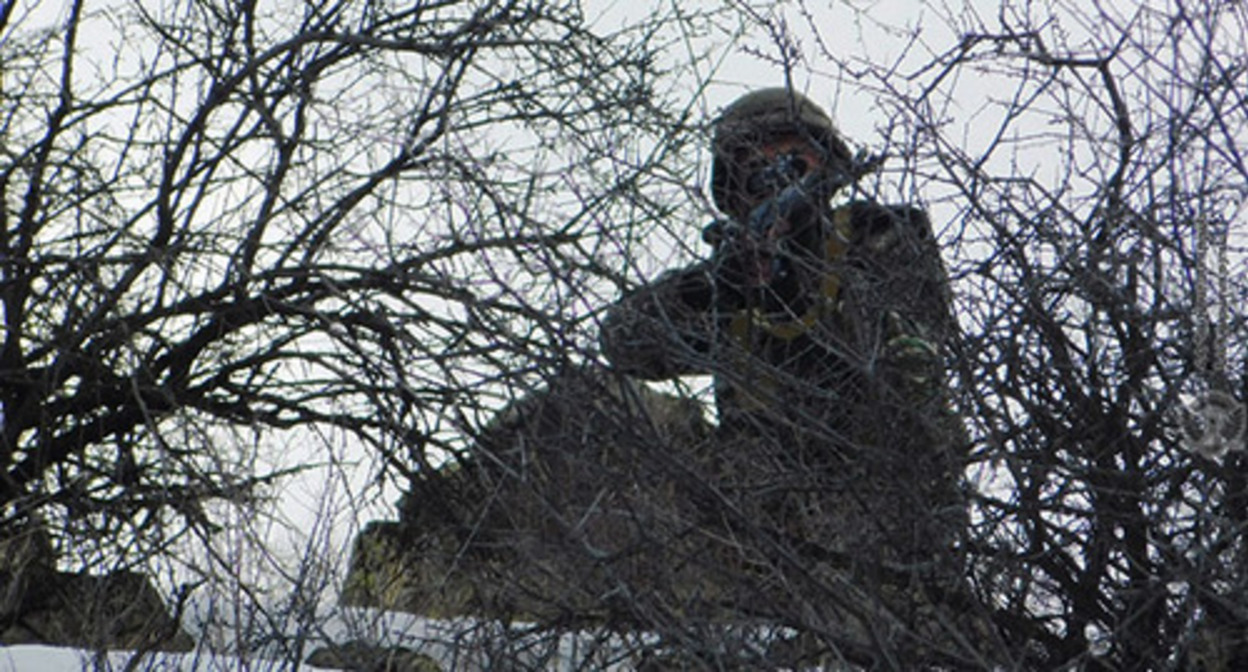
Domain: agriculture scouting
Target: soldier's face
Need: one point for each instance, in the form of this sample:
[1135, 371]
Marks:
[765, 168]
[761, 172]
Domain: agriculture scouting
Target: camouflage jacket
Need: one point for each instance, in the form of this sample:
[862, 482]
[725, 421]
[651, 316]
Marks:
[859, 353]
[842, 393]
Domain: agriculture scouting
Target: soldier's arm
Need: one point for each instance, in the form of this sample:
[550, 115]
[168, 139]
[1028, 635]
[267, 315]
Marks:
[911, 419]
[906, 293]
[665, 328]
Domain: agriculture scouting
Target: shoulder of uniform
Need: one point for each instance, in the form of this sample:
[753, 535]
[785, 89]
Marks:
[866, 220]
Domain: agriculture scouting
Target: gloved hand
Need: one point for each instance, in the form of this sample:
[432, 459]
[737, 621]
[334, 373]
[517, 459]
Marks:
[731, 262]
[915, 361]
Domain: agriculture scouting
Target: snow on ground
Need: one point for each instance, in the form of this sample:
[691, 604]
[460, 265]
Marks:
[40, 658]
[460, 644]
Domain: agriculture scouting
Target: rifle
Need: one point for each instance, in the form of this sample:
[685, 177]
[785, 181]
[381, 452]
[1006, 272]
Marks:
[774, 224]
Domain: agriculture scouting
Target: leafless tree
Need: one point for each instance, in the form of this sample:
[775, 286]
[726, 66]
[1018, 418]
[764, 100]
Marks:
[229, 226]
[1101, 282]
[247, 218]
[233, 226]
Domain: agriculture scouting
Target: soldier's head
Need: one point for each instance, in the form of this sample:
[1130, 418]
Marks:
[764, 138]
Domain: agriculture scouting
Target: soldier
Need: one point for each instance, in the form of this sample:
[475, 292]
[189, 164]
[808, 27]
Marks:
[824, 329]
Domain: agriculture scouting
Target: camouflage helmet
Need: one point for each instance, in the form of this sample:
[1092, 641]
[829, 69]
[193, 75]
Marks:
[758, 116]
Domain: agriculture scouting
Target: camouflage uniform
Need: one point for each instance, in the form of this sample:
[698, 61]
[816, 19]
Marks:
[829, 381]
